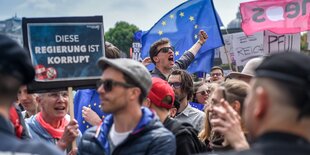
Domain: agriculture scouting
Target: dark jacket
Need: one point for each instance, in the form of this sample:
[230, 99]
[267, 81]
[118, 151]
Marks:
[186, 137]
[184, 61]
[277, 143]
[11, 145]
[149, 137]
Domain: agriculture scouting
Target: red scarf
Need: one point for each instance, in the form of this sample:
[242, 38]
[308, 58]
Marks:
[16, 122]
[55, 133]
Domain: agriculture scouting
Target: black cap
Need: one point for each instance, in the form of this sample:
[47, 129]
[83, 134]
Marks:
[288, 67]
[14, 61]
[293, 70]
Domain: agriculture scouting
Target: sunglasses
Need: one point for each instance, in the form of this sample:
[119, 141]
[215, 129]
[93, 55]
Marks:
[205, 92]
[165, 50]
[175, 85]
[109, 84]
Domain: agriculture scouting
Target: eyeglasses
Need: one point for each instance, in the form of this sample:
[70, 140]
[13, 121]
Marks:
[108, 84]
[205, 92]
[57, 94]
[165, 50]
[216, 74]
[175, 85]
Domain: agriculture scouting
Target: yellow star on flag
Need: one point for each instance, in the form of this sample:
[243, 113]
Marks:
[95, 104]
[191, 18]
[163, 23]
[99, 106]
[87, 126]
[196, 26]
[84, 122]
[196, 36]
[171, 16]
[160, 33]
[177, 53]
[89, 105]
[181, 14]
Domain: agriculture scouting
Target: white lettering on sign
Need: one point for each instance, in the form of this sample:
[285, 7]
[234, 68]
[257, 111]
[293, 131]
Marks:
[66, 38]
[67, 59]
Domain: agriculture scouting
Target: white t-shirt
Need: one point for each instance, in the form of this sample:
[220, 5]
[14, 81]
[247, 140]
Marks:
[117, 137]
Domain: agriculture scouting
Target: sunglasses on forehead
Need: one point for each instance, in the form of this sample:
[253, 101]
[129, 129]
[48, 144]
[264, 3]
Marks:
[165, 50]
[109, 84]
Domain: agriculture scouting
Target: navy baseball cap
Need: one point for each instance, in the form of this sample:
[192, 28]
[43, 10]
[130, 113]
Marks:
[14, 61]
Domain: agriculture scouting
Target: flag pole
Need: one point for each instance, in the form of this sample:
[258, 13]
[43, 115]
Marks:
[71, 111]
[226, 53]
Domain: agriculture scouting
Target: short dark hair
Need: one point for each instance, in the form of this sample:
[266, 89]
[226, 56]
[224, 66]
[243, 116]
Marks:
[111, 51]
[217, 67]
[187, 84]
[9, 87]
[294, 94]
[153, 49]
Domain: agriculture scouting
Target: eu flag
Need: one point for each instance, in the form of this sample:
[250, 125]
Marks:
[181, 25]
[89, 98]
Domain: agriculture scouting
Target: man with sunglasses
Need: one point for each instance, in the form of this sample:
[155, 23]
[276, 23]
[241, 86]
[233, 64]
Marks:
[162, 55]
[130, 128]
[182, 85]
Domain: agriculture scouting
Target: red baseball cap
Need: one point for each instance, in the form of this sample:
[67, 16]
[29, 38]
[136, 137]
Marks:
[160, 89]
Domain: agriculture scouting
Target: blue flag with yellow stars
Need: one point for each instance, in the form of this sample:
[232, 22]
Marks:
[88, 98]
[182, 25]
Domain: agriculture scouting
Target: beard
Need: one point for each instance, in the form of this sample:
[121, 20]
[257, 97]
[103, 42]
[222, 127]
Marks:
[180, 97]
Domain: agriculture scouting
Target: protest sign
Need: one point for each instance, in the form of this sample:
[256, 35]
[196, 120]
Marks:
[275, 43]
[64, 51]
[247, 47]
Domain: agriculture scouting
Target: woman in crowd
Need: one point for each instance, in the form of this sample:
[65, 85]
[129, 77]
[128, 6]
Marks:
[203, 91]
[225, 106]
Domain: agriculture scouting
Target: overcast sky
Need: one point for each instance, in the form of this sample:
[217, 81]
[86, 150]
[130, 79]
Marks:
[142, 13]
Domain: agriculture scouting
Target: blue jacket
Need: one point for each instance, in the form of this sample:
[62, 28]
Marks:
[149, 137]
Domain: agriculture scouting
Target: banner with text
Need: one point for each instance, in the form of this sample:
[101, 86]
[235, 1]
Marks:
[281, 16]
[64, 49]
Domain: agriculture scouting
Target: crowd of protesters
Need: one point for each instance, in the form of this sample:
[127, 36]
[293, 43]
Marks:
[263, 110]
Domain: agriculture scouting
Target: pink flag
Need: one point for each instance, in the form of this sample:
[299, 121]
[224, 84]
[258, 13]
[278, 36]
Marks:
[280, 16]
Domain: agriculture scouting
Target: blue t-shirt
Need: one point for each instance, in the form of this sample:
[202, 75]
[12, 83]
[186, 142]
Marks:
[198, 106]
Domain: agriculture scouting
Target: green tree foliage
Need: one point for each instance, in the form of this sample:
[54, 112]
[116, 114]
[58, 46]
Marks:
[121, 36]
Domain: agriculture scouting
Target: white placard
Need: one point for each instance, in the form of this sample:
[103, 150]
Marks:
[220, 52]
[275, 43]
[247, 47]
